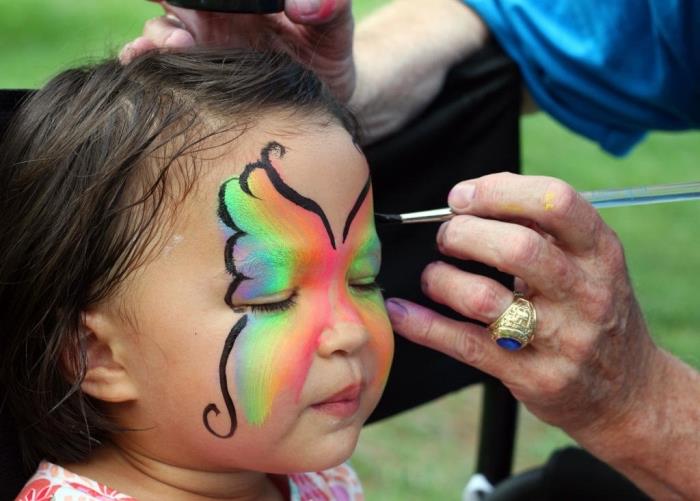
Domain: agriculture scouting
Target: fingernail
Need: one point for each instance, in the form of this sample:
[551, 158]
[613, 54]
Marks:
[461, 195]
[397, 311]
[308, 7]
[424, 282]
[441, 231]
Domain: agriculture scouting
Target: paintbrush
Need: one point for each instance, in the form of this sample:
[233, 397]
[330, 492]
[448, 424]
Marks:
[617, 197]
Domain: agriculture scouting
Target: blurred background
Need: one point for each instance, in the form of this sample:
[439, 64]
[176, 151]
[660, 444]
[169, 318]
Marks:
[429, 453]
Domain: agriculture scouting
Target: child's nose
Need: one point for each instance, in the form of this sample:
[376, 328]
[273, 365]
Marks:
[342, 338]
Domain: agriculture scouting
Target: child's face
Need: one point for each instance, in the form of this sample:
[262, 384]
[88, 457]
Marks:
[258, 339]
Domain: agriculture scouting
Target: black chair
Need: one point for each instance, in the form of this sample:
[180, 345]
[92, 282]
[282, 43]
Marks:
[471, 129]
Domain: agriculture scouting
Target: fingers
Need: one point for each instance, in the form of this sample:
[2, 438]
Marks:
[512, 248]
[165, 32]
[483, 299]
[134, 49]
[168, 32]
[471, 295]
[552, 204]
[318, 12]
[462, 341]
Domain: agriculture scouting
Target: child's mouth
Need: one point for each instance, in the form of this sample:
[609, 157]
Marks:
[345, 403]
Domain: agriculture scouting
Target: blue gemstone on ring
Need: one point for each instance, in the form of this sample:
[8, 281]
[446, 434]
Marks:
[509, 344]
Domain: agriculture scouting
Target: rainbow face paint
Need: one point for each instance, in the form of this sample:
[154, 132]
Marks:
[280, 245]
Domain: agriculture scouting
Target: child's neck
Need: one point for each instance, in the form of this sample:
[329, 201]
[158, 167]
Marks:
[147, 479]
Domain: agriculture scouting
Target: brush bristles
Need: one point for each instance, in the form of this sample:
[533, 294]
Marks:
[387, 218]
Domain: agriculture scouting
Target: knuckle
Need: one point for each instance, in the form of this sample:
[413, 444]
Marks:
[431, 332]
[598, 304]
[451, 339]
[483, 302]
[466, 348]
[524, 248]
[561, 199]
[583, 350]
[428, 327]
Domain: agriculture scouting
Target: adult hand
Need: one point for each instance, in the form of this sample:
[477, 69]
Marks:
[384, 76]
[592, 368]
[316, 32]
[588, 367]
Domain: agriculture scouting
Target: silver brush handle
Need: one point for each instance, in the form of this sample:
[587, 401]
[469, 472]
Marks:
[618, 197]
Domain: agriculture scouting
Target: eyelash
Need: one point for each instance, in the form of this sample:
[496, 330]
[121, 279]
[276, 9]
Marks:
[283, 305]
[367, 288]
[289, 302]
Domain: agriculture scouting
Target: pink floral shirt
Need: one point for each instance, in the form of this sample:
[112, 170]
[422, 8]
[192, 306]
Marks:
[54, 483]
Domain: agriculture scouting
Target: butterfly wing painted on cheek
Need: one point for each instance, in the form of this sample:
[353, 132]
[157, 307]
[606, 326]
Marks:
[268, 223]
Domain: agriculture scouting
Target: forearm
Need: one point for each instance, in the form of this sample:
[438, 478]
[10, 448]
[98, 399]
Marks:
[402, 54]
[657, 445]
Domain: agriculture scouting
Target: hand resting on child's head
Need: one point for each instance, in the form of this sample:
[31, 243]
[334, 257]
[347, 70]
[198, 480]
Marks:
[194, 312]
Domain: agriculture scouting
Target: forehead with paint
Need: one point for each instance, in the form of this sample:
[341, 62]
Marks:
[302, 252]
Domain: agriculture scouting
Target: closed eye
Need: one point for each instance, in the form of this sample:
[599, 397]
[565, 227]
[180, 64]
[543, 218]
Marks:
[366, 286]
[275, 306]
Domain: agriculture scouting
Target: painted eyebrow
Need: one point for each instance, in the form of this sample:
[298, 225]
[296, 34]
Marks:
[369, 246]
[356, 207]
[275, 256]
[284, 257]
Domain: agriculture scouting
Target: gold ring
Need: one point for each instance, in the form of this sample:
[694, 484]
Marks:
[515, 328]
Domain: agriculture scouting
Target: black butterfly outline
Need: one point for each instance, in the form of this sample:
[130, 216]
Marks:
[293, 196]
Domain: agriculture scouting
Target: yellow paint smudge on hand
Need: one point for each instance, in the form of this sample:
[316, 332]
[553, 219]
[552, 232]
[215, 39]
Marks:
[548, 201]
[513, 208]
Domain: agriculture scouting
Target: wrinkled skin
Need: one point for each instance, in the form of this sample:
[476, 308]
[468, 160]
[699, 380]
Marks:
[383, 74]
[591, 339]
[321, 38]
[592, 368]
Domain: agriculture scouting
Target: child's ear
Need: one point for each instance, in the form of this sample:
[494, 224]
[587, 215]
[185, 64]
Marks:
[106, 375]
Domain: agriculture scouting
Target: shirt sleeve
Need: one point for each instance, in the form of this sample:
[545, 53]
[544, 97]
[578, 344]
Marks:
[610, 71]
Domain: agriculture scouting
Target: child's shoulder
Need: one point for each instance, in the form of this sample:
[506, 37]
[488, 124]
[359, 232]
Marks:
[51, 482]
[339, 483]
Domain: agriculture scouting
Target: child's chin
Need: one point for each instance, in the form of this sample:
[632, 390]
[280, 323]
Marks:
[327, 452]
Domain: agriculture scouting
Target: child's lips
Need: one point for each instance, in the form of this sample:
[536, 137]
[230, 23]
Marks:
[345, 403]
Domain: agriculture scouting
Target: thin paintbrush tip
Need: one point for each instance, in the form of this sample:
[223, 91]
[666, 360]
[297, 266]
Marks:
[387, 218]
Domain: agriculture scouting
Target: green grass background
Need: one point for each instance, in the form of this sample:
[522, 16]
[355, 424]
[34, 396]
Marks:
[429, 453]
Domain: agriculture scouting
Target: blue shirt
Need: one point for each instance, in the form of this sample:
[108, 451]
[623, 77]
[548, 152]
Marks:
[607, 69]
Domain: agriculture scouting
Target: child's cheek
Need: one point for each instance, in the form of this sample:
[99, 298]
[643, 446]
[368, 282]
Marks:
[272, 355]
[376, 321]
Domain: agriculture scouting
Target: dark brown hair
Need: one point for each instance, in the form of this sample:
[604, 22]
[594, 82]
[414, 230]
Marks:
[83, 170]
